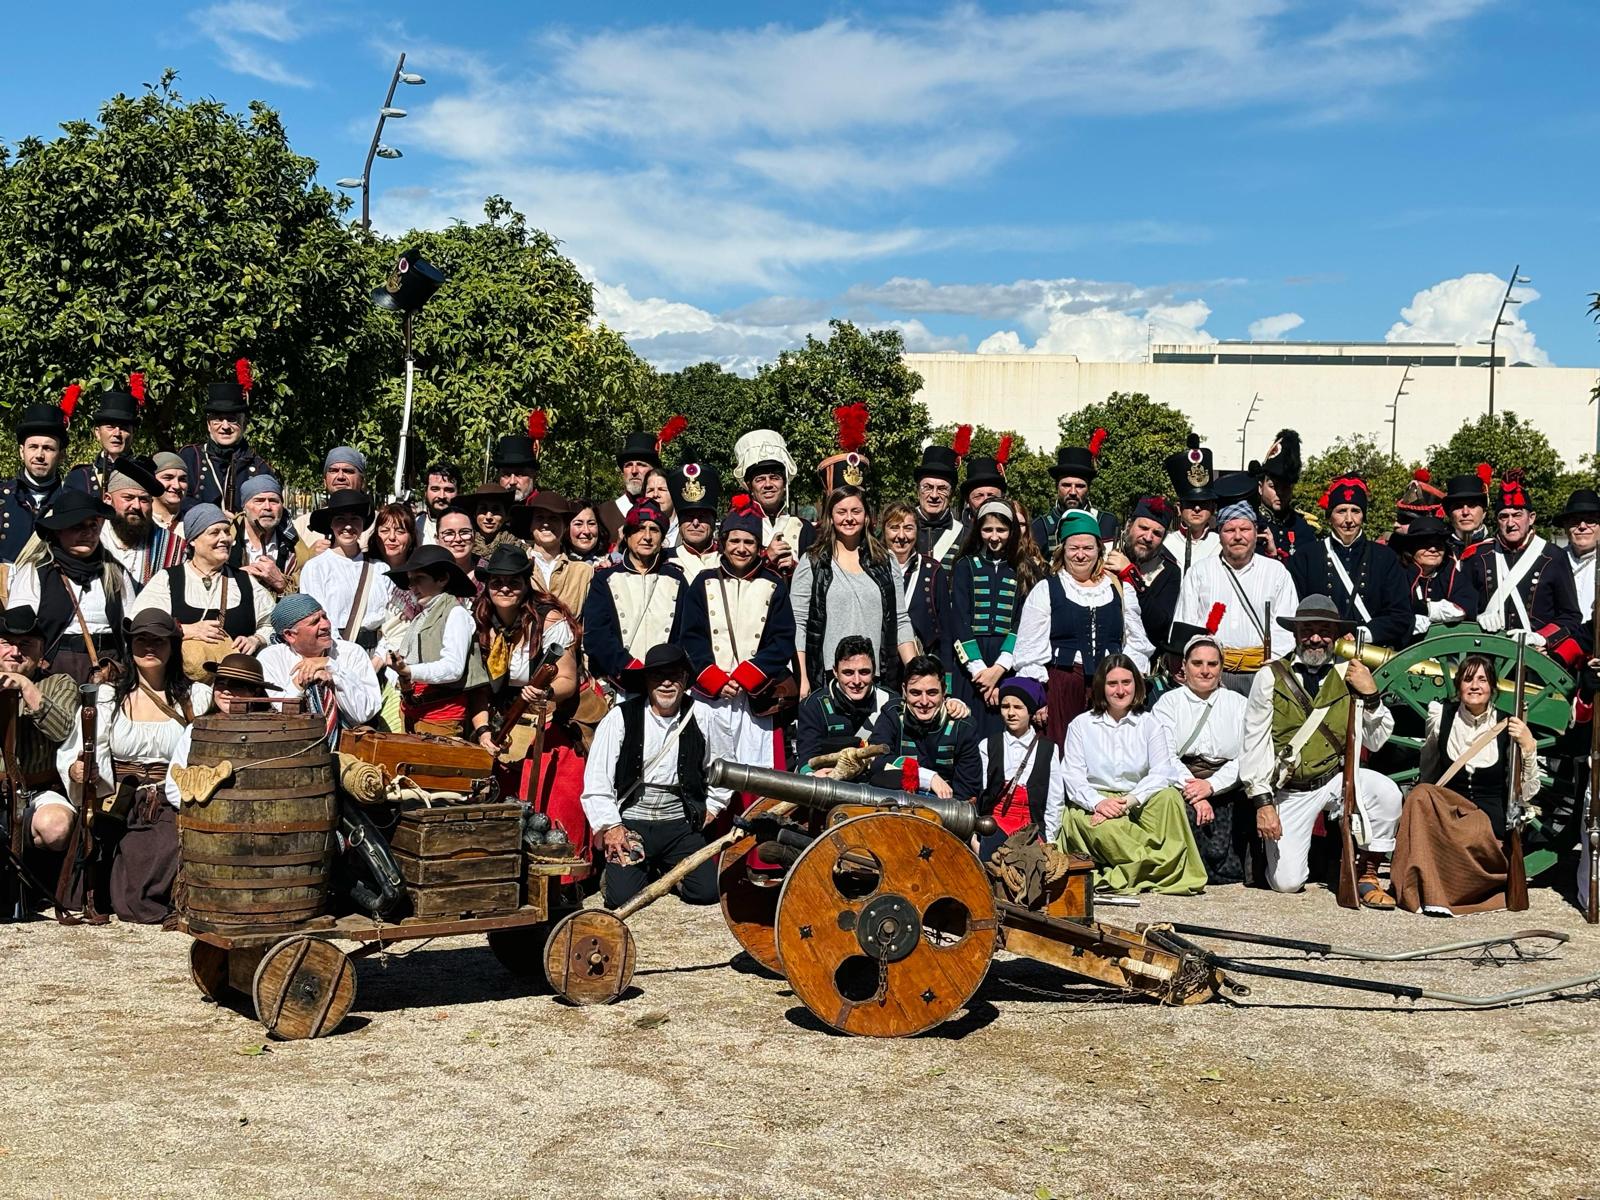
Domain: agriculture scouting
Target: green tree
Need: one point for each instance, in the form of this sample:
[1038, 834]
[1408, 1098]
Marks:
[1140, 433]
[1028, 476]
[798, 393]
[1505, 441]
[717, 404]
[1359, 455]
[172, 238]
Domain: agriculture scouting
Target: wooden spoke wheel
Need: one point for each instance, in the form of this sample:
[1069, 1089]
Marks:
[521, 951]
[208, 967]
[1425, 672]
[750, 896]
[885, 925]
[589, 958]
[303, 988]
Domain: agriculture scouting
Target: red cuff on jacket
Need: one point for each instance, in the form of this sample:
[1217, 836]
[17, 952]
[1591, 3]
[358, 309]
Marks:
[635, 662]
[1582, 712]
[749, 676]
[712, 680]
[1127, 573]
[1564, 648]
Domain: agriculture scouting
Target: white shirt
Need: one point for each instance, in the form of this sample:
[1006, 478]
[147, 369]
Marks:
[92, 602]
[135, 560]
[122, 738]
[451, 665]
[1463, 732]
[1222, 736]
[1258, 764]
[1032, 653]
[1262, 579]
[1179, 543]
[599, 798]
[557, 635]
[205, 596]
[334, 579]
[1131, 757]
[1015, 749]
[355, 684]
[1583, 576]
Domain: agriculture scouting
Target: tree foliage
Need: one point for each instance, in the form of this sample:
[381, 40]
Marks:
[171, 238]
[1359, 455]
[1505, 441]
[1028, 476]
[1140, 433]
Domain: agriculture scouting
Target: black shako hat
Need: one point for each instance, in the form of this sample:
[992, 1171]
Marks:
[695, 485]
[1190, 472]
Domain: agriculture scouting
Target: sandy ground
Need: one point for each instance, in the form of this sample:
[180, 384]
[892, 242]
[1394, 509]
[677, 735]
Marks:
[454, 1080]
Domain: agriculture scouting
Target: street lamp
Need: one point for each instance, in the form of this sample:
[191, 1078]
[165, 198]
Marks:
[1245, 428]
[1499, 320]
[409, 286]
[1394, 410]
[378, 149]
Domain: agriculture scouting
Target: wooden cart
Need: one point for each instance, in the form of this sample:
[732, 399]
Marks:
[303, 986]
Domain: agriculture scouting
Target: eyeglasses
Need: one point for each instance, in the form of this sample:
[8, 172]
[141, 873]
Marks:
[454, 535]
[928, 488]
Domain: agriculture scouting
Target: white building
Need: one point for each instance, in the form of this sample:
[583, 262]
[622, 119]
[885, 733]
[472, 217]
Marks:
[1324, 390]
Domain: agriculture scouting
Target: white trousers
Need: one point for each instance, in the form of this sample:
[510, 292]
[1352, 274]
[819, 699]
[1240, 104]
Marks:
[1378, 814]
[733, 732]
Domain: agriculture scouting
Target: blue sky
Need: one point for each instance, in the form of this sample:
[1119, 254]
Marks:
[1070, 178]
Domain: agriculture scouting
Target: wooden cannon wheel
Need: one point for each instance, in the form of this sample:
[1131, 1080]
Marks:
[208, 967]
[749, 907]
[590, 956]
[885, 925]
[303, 988]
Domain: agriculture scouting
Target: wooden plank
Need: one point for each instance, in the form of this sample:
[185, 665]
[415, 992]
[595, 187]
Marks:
[466, 899]
[477, 868]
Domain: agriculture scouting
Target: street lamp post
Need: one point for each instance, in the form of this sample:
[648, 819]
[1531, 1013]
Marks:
[1499, 320]
[1245, 428]
[1394, 411]
[378, 149]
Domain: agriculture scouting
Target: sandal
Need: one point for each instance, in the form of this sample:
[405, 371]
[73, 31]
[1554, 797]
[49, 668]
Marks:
[1373, 896]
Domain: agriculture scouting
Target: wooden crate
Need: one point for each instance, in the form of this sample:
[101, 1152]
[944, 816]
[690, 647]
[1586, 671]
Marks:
[460, 860]
[437, 763]
[465, 899]
[459, 831]
[475, 868]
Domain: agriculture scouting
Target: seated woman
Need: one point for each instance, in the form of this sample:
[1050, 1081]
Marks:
[1125, 809]
[1449, 856]
[516, 622]
[1024, 779]
[140, 721]
[433, 655]
[1205, 725]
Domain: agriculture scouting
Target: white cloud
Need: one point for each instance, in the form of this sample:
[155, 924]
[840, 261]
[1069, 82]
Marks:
[1463, 310]
[237, 28]
[1270, 329]
[1105, 334]
[1005, 341]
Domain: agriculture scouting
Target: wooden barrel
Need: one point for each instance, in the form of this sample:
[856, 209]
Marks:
[257, 856]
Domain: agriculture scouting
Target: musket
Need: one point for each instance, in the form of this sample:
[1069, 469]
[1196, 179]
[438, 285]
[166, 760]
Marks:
[541, 674]
[1266, 634]
[78, 861]
[1516, 869]
[16, 808]
[1592, 912]
[1349, 894]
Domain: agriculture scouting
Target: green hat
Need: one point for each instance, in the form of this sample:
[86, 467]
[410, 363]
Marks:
[1075, 521]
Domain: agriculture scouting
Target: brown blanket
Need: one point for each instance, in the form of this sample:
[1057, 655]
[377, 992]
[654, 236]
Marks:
[1446, 854]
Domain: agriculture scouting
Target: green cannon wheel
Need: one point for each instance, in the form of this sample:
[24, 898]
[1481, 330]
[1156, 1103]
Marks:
[1425, 672]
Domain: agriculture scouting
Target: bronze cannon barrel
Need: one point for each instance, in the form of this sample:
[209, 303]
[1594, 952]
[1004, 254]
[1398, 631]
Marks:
[816, 791]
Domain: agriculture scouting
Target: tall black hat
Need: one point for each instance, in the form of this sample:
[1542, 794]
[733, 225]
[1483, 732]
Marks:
[938, 462]
[231, 396]
[413, 280]
[1190, 471]
[48, 420]
[1282, 462]
[515, 452]
[639, 446]
[1474, 487]
[982, 472]
[119, 406]
[695, 485]
[1081, 462]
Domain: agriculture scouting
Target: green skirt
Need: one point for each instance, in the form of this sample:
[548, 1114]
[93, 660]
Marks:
[1151, 851]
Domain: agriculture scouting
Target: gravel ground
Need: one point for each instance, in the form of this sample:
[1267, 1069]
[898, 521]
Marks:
[710, 1080]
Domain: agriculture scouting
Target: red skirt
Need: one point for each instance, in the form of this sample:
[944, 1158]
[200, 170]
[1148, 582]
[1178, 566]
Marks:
[1068, 697]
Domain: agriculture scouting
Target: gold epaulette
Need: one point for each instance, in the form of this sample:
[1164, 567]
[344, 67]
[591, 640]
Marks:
[1311, 519]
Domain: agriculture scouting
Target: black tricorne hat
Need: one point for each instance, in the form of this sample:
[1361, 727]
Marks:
[1584, 502]
[1190, 471]
[342, 501]
[435, 558]
[20, 620]
[669, 656]
[938, 462]
[695, 485]
[69, 507]
[982, 472]
[639, 446]
[515, 451]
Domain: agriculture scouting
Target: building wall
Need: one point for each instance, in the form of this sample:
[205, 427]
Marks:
[1028, 392]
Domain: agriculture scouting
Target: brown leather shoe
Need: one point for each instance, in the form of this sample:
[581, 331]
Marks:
[1372, 895]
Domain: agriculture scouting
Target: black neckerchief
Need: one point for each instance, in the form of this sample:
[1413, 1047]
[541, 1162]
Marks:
[82, 571]
[936, 523]
[917, 730]
[856, 711]
[223, 454]
[1311, 677]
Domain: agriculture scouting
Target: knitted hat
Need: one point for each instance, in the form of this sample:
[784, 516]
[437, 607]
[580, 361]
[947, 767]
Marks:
[258, 485]
[644, 511]
[1153, 508]
[166, 460]
[292, 609]
[201, 518]
[1075, 521]
[1029, 691]
[745, 519]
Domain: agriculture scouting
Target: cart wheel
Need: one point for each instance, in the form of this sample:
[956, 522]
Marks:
[208, 967]
[303, 988]
[589, 958]
[521, 951]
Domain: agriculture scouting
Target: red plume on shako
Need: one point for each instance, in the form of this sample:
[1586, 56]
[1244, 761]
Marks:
[674, 426]
[69, 400]
[136, 387]
[962, 442]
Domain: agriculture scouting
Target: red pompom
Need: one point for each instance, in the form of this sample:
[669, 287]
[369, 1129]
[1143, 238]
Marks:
[1485, 473]
[136, 387]
[241, 370]
[1322, 500]
[1422, 475]
[1095, 442]
[1214, 617]
[740, 501]
[962, 442]
[1157, 505]
[69, 400]
[538, 425]
[674, 426]
[852, 422]
[910, 775]
[1003, 454]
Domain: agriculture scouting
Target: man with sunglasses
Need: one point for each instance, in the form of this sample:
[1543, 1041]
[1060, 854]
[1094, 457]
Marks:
[220, 465]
